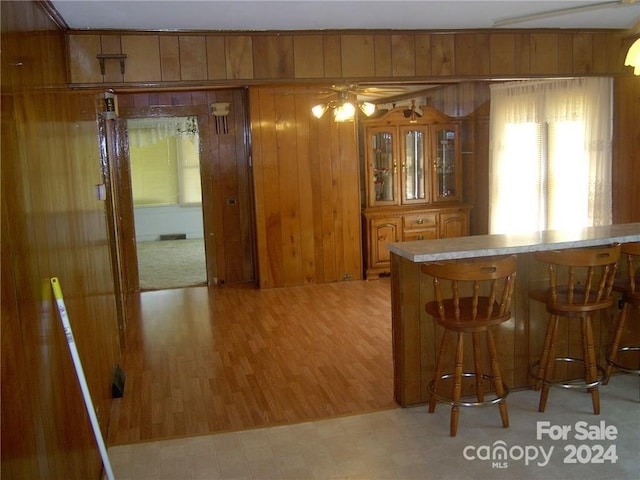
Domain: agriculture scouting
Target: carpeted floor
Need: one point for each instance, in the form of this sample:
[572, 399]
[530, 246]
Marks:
[171, 264]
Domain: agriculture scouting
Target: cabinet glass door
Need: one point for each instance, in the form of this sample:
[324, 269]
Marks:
[383, 168]
[413, 163]
[445, 165]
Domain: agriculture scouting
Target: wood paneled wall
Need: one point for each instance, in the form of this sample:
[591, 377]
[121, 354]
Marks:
[249, 57]
[306, 190]
[52, 225]
[626, 150]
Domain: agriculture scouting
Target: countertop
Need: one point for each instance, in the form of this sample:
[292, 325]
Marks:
[487, 245]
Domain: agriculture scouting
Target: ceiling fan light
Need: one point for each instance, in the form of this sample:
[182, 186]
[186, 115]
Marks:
[633, 57]
[344, 112]
[319, 110]
[367, 108]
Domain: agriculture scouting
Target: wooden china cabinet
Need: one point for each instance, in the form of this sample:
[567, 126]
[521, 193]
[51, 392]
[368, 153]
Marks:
[413, 182]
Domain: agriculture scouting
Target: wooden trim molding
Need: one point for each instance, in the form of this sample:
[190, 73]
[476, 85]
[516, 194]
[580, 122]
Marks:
[53, 13]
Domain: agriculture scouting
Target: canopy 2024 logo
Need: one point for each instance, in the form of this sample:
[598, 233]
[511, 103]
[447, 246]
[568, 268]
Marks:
[500, 454]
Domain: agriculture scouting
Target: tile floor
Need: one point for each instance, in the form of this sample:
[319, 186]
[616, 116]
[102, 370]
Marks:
[412, 444]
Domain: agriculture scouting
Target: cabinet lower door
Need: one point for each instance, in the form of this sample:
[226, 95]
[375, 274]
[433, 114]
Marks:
[454, 224]
[383, 231]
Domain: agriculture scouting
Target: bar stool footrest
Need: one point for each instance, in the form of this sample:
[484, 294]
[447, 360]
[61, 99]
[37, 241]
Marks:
[578, 383]
[620, 366]
[493, 401]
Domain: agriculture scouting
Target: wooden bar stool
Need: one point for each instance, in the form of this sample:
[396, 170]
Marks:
[580, 285]
[480, 298]
[631, 301]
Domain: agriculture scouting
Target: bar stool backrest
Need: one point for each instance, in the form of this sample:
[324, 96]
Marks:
[581, 279]
[481, 292]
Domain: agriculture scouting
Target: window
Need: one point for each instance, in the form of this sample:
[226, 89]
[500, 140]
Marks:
[550, 155]
[165, 161]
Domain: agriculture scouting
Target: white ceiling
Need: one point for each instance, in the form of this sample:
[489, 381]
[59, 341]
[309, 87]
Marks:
[163, 15]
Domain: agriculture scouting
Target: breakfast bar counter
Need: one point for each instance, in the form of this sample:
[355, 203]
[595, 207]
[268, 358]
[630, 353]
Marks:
[519, 341]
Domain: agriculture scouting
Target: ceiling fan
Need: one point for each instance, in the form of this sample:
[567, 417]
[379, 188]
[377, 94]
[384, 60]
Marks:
[563, 11]
[345, 99]
[342, 100]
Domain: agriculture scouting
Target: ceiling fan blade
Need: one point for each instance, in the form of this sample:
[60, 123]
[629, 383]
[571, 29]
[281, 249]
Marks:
[562, 11]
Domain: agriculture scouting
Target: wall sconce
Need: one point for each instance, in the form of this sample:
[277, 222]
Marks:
[633, 57]
[343, 109]
[220, 111]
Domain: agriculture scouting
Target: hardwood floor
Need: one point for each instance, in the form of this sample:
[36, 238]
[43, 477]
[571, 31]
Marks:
[205, 360]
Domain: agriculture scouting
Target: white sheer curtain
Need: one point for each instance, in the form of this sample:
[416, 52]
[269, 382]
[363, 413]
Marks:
[550, 155]
[148, 131]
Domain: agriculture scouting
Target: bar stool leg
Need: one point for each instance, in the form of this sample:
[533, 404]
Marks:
[478, 367]
[438, 371]
[613, 350]
[457, 384]
[542, 366]
[497, 378]
[591, 374]
[548, 368]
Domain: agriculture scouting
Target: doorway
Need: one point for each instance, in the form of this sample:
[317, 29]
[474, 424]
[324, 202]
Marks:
[164, 159]
[162, 199]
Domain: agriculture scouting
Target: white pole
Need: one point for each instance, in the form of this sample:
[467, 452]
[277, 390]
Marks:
[57, 292]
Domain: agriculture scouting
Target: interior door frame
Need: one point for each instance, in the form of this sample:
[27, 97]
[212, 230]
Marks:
[123, 199]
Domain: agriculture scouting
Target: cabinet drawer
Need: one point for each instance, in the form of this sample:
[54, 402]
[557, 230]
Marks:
[419, 221]
[410, 236]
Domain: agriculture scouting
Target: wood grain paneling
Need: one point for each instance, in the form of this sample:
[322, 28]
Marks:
[472, 54]
[565, 53]
[83, 65]
[143, 58]
[239, 57]
[358, 55]
[273, 57]
[522, 51]
[216, 61]
[110, 44]
[502, 53]
[192, 50]
[384, 63]
[544, 52]
[169, 58]
[423, 55]
[233, 186]
[403, 54]
[332, 56]
[306, 191]
[600, 57]
[626, 151]
[442, 55]
[583, 53]
[19, 440]
[308, 56]
[52, 225]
